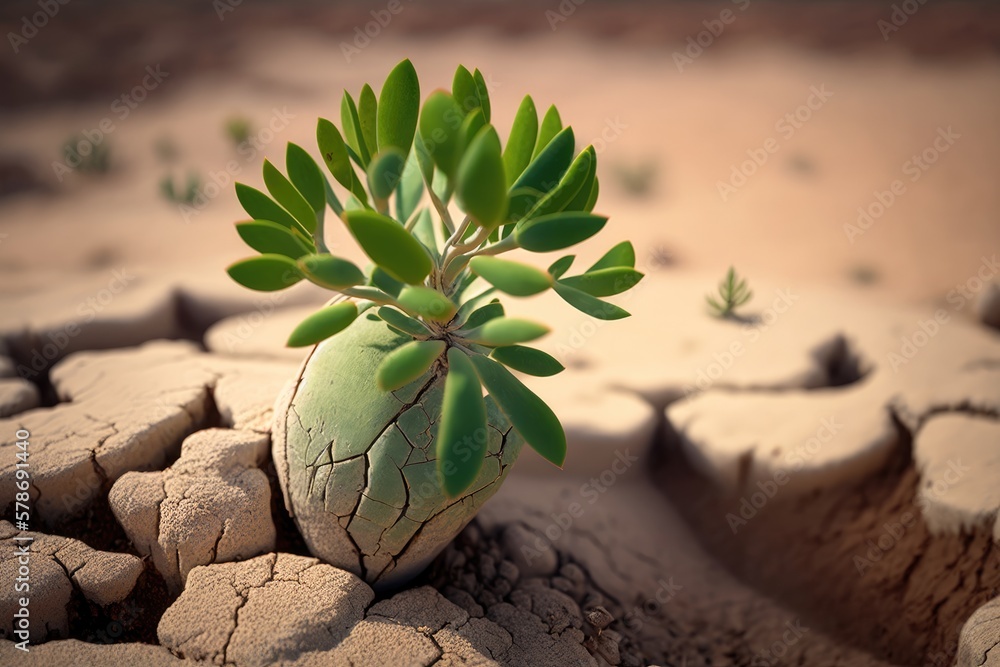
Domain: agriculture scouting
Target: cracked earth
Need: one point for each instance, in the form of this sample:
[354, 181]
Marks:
[843, 512]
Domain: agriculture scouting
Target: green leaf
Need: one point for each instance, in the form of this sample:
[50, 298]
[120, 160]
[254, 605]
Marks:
[528, 360]
[265, 273]
[513, 278]
[462, 436]
[582, 196]
[505, 331]
[261, 207]
[407, 363]
[622, 254]
[384, 172]
[605, 282]
[390, 246]
[269, 237]
[410, 189]
[353, 135]
[331, 197]
[482, 186]
[557, 231]
[592, 199]
[440, 125]
[330, 272]
[484, 94]
[542, 174]
[306, 176]
[423, 231]
[521, 141]
[368, 117]
[559, 198]
[398, 108]
[532, 418]
[382, 280]
[471, 126]
[291, 199]
[428, 303]
[466, 92]
[423, 154]
[550, 127]
[592, 306]
[484, 314]
[403, 322]
[561, 266]
[336, 157]
[323, 323]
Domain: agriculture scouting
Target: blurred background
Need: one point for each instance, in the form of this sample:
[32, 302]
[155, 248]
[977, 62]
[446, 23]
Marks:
[853, 144]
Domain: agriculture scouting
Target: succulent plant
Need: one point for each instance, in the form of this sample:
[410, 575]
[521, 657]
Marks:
[384, 443]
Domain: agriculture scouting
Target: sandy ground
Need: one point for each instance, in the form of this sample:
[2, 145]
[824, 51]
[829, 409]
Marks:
[758, 156]
[877, 119]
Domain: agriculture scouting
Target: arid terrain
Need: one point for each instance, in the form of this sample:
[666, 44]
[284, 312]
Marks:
[813, 482]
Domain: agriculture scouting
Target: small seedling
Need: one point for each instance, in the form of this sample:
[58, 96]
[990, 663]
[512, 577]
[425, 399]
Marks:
[166, 150]
[238, 130]
[395, 392]
[434, 275]
[186, 195]
[636, 179]
[87, 156]
[733, 293]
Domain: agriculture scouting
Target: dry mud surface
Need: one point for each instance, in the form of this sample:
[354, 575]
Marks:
[816, 482]
[673, 537]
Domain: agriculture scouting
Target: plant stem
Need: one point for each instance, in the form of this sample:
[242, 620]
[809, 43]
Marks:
[495, 249]
[319, 234]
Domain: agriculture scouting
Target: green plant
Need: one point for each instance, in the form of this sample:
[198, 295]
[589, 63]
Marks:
[636, 179]
[187, 195]
[237, 129]
[85, 155]
[434, 200]
[733, 293]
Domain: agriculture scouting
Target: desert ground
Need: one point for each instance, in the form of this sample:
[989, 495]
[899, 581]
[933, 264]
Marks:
[816, 482]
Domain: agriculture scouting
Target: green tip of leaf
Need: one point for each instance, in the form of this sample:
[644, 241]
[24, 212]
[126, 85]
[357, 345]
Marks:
[330, 272]
[322, 324]
[462, 436]
[511, 277]
[266, 273]
[407, 363]
[428, 303]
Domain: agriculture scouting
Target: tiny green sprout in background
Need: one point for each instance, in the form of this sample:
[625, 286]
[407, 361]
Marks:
[637, 179]
[166, 149]
[733, 293]
[87, 156]
[181, 195]
[237, 129]
[433, 197]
